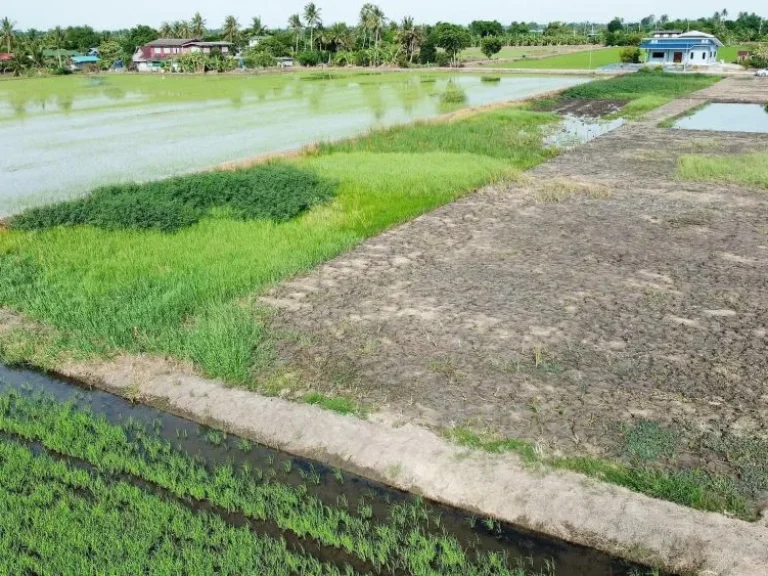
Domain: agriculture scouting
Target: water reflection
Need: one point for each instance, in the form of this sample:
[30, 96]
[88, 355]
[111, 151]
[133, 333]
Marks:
[84, 132]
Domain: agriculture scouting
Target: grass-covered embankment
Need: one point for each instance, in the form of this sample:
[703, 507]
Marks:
[98, 285]
[121, 498]
[645, 90]
[750, 169]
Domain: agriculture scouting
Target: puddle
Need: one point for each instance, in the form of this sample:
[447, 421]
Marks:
[720, 117]
[575, 130]
[215, 449]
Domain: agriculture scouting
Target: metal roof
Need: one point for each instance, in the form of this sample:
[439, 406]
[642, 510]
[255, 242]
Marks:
[85, 59]
[172, 41]
[674, 45]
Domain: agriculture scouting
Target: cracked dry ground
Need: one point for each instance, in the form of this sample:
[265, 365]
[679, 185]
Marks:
[558, 322]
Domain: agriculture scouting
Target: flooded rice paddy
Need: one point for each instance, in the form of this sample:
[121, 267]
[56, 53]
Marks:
[64, 136]
[20, 390]
[722, 117]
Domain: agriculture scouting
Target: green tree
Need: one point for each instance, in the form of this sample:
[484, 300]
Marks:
[36, 56]
[491, 45]
[7, 35]
[408, 37]
[630, 55]
[197, 25]
[82, 38]
[453, 39]
[339, 37]
[485, 28]
[166, 31]
[231, 30]
[616, 25]
[134, 38]
[257, 27]
[313, 20]
[110, 51]
[295, 24]
[56, 40]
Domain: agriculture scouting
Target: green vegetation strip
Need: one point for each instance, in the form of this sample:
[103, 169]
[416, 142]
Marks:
[103, 291]
[57, 519]
[692, 488]
[645, 90]
[405, 541]
[750, 169]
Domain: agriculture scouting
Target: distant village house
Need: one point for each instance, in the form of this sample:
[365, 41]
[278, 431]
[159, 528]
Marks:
[673, 48]
[153, 56]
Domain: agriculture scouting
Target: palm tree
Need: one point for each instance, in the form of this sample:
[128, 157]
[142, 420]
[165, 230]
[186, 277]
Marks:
[36, 56]
[231, 29]
[197, 25]
[365, 21]
[56, 39]
[295, 24]
[184, 29]
[339, 37]
[378, 21]
[409, 37]
[257, 27]
[7, 35]
[165, 30]
[313, 20]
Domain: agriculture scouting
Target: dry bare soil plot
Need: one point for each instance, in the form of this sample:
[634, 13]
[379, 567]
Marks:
[625, 318]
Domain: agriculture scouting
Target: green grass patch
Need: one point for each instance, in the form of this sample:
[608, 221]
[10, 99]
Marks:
[574, 61]
[490, 79]
[646, 90]
[639, 84]
[102, 289]
[339, 404]
[275, 192]
[692, 488]
[750, 169]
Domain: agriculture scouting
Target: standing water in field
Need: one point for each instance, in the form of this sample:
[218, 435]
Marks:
[170, 458]
[721, 117]
[64, 136]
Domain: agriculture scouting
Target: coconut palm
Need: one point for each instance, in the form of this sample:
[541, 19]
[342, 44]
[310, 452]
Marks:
[7, 35]
[295, 24]
[55, 40]
[365, 21]
[313, 20]
[339, 37]
[378, 21]
[165, 30]
[257, 27]
[231, 29]
[36, 56]
[197, 25]
[408, 37]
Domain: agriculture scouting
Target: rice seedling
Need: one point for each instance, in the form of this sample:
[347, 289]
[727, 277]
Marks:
[490, 79]
[403, 540]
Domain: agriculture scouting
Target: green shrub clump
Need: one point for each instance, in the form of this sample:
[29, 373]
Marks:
[490, 79]
[275, 192]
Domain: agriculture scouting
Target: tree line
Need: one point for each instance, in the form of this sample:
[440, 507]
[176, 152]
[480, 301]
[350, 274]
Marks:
[374, 39]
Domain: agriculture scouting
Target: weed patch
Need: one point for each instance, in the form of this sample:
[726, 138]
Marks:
[750, 169]
[490, 79]
[274, 192]
[692, 488]
[648, 440]
[561, 190]
[339, 404]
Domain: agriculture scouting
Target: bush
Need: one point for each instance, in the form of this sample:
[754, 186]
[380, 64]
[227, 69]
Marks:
[260, 60]
[272, 192]
[442, 59]
[453, 95]
[313, 58]
[490, 79]
[61, 71]
[362, 58]
[630, 55]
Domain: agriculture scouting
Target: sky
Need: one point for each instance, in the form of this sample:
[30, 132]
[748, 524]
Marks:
[109, 14]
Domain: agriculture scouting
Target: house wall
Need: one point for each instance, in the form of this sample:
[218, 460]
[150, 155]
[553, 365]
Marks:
[695, 57]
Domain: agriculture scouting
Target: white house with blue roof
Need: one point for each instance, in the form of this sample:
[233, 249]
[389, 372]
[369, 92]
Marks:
[672, 48]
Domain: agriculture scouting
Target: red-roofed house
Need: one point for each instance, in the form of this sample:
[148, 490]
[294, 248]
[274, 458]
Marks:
[150, 57]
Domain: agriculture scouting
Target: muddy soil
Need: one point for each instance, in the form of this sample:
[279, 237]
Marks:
[562, 323]
[584, 108]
